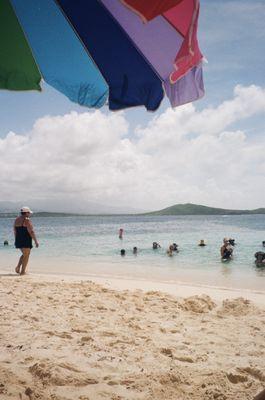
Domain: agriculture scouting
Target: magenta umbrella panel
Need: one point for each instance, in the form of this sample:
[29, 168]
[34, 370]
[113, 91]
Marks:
[123, 53]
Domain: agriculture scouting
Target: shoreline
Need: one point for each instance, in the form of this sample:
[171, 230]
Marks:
[226, 276]
[175, 288]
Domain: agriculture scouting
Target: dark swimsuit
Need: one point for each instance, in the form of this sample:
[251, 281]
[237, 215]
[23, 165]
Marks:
[227, 254]
[23, 238]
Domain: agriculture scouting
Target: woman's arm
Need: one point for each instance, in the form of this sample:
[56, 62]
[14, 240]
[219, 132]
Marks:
[14, 229]
[31, 232]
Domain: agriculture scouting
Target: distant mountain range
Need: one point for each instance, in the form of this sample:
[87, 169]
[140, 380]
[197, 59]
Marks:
[65, 206]
[196, 209]
[178, 209]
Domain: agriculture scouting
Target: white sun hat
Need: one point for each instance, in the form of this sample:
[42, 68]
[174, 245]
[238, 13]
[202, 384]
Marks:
[26, 209]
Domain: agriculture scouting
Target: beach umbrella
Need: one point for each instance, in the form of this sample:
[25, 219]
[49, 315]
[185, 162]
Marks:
[116, 52]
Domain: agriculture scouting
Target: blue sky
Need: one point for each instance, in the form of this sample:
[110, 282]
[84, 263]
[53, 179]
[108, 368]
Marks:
[232, 37]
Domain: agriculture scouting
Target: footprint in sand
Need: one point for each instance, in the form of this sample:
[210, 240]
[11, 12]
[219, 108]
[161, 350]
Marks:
[254, 372]
[198, 304]
[63, 335]
[86, 339]
[235, 377]
[63, 374]
[79, 330]
[236, 307]
[29, 392]
[167, 352]
[112, 383]
[108, 333]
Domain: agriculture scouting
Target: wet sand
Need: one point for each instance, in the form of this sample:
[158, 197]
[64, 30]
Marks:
[63, 338]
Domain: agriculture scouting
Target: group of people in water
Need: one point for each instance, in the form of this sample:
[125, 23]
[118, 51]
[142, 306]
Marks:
[226, 249]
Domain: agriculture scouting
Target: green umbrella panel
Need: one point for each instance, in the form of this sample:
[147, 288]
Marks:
[18, 70]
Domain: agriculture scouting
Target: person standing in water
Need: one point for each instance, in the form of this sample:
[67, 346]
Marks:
[120, 233]
[226, 250]
[24, 233]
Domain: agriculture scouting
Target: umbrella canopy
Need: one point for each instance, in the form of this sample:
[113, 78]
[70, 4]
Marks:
[100, 51]
[18, 70]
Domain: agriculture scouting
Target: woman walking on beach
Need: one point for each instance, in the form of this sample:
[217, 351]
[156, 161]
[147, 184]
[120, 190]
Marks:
[24, 233]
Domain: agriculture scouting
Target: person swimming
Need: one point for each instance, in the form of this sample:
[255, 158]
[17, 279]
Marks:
[260, 259]
[202, 243]
[170, 250]
[226, 250]
[6, 243]
[135, 250]
[175, 247]
[232, 241]
[156, 245]
[123, 252]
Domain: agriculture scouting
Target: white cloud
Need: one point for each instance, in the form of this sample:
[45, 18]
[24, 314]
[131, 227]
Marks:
[247, 102]
[182, 155]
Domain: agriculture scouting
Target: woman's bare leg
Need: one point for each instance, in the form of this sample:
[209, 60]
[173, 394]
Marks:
[25, 260]
[17, 269]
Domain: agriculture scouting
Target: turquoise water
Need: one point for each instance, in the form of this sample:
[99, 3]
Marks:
[90, 245]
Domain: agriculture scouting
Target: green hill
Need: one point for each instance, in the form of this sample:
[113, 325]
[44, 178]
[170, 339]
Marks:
[178, 209]
[195, 209]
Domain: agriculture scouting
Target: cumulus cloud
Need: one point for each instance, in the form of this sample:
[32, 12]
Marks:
[181, 155]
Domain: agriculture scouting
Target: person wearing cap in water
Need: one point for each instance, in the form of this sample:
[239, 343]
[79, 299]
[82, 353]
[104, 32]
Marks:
[24, 233]
[226, 250]
[202, 244]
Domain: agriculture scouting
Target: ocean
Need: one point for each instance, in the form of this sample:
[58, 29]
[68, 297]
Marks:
[89, 245]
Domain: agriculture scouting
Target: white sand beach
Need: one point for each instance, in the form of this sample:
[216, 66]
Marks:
[63, 339]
